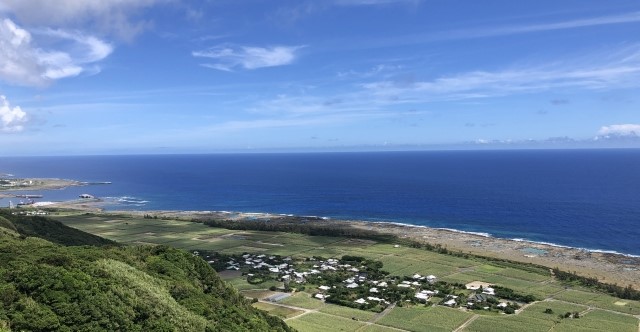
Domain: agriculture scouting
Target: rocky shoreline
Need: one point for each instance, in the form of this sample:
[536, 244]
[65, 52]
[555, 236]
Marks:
[607, 267]
[611, 268]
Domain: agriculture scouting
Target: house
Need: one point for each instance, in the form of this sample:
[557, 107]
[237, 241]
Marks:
[320, 296]
[352, 285]
[478, 298]
[425, 294]
[324, 288]
[489, 291]
[377, 299]
[361, 301]
[450, 303]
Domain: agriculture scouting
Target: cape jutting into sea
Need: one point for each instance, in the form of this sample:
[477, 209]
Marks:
[579, 198]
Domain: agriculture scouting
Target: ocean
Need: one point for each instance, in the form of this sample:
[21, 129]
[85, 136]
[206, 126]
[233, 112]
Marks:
[578, 198]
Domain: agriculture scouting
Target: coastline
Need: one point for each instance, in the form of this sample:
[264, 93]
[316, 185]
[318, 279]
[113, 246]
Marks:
[608, 267]
[33, 184]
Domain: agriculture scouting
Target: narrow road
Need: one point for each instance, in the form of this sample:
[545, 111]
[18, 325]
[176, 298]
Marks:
[465, 324]
[382, 313]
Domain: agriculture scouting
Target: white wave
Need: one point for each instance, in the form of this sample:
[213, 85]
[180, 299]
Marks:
[483, 234]
[550, 244]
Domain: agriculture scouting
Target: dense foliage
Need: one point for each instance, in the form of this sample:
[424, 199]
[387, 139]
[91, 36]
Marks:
[508, 293]
[48, 287]
[618, 291]
[295, 225]
[51, 230]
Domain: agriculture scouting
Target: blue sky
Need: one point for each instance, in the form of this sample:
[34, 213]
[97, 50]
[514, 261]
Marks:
[177, 76]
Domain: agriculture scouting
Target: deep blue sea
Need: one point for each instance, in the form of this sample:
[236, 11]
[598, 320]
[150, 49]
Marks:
[579, 198]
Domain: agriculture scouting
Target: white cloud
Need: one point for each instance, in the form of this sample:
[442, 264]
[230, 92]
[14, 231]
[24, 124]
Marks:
[247, 57]
[620, 130]
[109, 16]
[596, 72]
[491, 31]
[373, 71]
[23, 62]
[11, 119]
[573, 24]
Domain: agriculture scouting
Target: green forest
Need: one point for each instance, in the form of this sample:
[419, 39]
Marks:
[56, 278]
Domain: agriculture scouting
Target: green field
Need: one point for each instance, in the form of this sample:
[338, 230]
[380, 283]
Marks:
[345, 312]
[302, 300]
[602, 301]
[533, 319]
[282, 312]
[319, 322]
[401, 261]
[421, 318]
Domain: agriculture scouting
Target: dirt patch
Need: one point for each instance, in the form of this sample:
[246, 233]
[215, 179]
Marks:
[271, 244]
[477, 285]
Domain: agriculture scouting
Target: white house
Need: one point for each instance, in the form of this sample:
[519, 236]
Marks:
[361, 301]
[489, 291]
[450, 303]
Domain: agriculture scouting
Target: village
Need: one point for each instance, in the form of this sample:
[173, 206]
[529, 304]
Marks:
[360, 283]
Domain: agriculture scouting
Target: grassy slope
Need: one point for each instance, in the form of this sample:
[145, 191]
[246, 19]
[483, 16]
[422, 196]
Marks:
[50, 230]
[46, 286]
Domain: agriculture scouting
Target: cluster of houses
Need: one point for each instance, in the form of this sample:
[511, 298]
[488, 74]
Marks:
[343, 282]
[372, 291]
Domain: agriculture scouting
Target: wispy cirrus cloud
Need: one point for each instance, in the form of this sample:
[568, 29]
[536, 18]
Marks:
[571, 24]
[388, 99]
[371, 72]
[496, 31]
[228, 58]
[24, 62]
[12, 119]
[596, 72]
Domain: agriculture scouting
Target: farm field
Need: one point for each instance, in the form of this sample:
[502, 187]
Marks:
[305, 313]
[436, 318]
[276, 310]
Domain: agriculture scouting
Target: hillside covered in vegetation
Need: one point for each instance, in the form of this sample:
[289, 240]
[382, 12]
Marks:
[96, 285]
